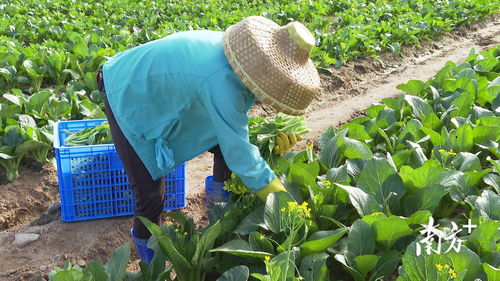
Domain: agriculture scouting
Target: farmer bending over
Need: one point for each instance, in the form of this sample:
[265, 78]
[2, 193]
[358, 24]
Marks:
[174, 98]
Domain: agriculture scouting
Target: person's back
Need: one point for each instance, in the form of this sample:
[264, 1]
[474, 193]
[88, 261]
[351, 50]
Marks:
[164, 98]
[178, 62]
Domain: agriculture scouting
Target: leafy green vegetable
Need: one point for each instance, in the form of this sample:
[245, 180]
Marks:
[100, 134]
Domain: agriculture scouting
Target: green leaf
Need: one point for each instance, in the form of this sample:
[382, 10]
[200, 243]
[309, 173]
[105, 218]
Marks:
[272, 212]
[432, 121]
[354, 149]
[456, 183]
[284, 260]
[313, 267]
[435, 137]
[241, 248]
[321, 240]
[304, 174]
[374, 110]
[414, 87]
[420, 217]
[462, 139]
[493, 180]
[387, 231]
[386, 265]
[421, 109]
[420, 267]
[495, 106]
[485, 65]
[379, 179]
[355, 166]
[366, 263]
[338, 175]
[72, 274]
[466, 263]
[237, 273]
[492, 273]
[418, 157]
[354, 272]
[482, 134]
[178, 217]
[488, 205]
[426, 175]
[261, 277]
[373, 217]
[483, 238]
[467, 162]
[464, 103]
[364, 203]
[37, 100]
[206, 242]
[360, 240]
[259, 242]
[402, 157]
[356, 131]
[80, 48]
[251, 222]
[117, 264]
[181, 265]
[330, 154]
[426, 198]
[13, 99]
[98, 271]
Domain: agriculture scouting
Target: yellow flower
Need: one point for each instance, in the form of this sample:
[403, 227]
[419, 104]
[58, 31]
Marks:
[451, 153]
[452, 273]
[439, 267]
[442, 150]
[326, 183]
[267, 258]
[304, 211]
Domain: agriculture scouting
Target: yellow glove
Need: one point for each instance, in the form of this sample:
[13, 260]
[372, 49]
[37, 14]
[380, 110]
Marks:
[273, 186]
[284, 143]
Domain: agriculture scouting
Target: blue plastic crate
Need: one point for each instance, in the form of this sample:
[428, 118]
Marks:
[93, 183]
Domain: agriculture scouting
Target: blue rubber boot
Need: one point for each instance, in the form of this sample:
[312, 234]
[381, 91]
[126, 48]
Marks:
[141, 247]
[215, 191]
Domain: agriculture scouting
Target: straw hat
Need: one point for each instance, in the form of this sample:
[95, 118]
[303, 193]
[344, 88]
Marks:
[273, 62]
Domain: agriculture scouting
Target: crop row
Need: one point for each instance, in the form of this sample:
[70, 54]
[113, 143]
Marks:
[50, 50]
[414, 184]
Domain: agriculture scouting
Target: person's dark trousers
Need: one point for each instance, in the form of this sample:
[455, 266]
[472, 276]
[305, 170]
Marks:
[149, 194]
[221, 172]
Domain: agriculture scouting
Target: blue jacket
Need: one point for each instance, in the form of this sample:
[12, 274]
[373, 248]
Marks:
[176, 97]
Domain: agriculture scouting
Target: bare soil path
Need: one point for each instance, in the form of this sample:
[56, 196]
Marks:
[24, 203]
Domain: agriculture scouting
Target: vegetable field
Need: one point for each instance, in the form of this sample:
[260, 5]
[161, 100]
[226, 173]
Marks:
[407, 190]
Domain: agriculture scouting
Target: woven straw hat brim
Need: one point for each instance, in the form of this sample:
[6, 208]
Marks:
[271, 65]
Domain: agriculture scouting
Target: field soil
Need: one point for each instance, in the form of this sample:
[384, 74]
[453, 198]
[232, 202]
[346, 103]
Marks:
[29, 205]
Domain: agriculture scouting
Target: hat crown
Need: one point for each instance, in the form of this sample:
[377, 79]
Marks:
[301, 36]
[295, 42]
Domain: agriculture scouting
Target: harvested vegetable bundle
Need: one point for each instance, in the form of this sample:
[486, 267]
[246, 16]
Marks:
[263, 132]
[89, 136]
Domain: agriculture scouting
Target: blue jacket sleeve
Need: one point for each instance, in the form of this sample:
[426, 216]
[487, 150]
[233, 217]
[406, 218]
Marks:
[226, 106]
